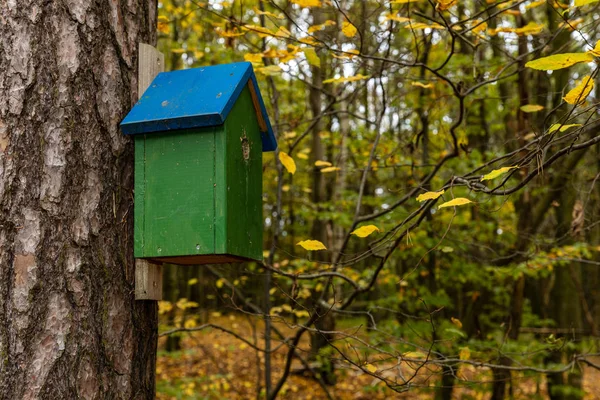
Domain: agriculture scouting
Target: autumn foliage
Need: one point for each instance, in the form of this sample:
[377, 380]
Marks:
[431, 213]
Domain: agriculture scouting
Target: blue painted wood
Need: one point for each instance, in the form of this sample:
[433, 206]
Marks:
[193, 98]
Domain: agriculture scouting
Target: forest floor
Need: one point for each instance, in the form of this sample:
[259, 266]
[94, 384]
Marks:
[215, 365]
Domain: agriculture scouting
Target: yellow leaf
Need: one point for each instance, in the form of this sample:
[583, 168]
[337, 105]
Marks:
[530, 29]
[456, 322]
[421, 25]
[579, 3]
[429, 195]
[403, 1]
[396, 18]
[459, 201]
[269, 70]
[261, 31]
[271, 53]
[346, 55]
[563, 128]
[178, 51]
[445, 4]
[348, 29]
[268, 14]
[311, 245]
[464, 353]
[303, 156]
[531, 108]
[193, 281]
[572, 24]
[578, 94]
[253, 57]
[497, 172]
[316, 28]
[354, 78]
[163, 25]
[365, 231]
[190, 323]
[309, 41]
[312, 57]
[559, 61]
[282, 32]
[329, 169]
[275, 311]
[371, 368]
[534, 4]
[288, 162]
[322, 163]
[220, 283]
[164, 307]
[413, 354]
[307, 3]
[424, 86]
[301, 313]
[184, 304]
[229, 34]
[480, 26]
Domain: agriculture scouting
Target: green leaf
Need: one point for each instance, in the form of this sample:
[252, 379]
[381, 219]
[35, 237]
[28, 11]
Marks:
[312, 57]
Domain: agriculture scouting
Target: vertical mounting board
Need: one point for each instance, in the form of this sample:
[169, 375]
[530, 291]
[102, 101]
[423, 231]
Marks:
[148, 280]
[148, 276]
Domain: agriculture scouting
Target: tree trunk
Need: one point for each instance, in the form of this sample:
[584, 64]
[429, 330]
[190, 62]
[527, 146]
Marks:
[69, 325]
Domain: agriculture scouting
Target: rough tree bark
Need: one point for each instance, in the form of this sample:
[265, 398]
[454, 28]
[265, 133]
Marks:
[69, 325]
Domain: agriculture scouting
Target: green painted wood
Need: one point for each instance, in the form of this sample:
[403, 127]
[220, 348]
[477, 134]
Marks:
[179, 194]
[139, 195]
[244, 180]
[199, 191]
[221, 199]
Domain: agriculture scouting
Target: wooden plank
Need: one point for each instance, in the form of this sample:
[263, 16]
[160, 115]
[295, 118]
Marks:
[148, 280]
[256, 103]
[139, 197]
[201, 259]
[180, 186]
[151, 63]
[242, 157]
[148, 275]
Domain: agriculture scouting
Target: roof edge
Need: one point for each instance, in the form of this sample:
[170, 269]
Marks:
[268, 137]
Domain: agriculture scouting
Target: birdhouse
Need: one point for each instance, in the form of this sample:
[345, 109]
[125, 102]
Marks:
[199, 136]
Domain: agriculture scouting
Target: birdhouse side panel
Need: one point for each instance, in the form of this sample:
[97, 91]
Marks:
[139, 195]
[243, 170]
[178, 206]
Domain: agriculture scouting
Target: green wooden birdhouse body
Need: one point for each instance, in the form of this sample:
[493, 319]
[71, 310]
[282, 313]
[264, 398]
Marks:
[198, 190]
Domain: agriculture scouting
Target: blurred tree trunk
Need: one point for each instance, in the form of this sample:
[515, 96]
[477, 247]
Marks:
[326, 321]
[171, 283]
[565, 306]
[70, 327]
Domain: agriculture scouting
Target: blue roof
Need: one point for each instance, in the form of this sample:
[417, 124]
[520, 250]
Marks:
[196, 97]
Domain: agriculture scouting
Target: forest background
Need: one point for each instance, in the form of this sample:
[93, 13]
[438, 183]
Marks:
[431, 213]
